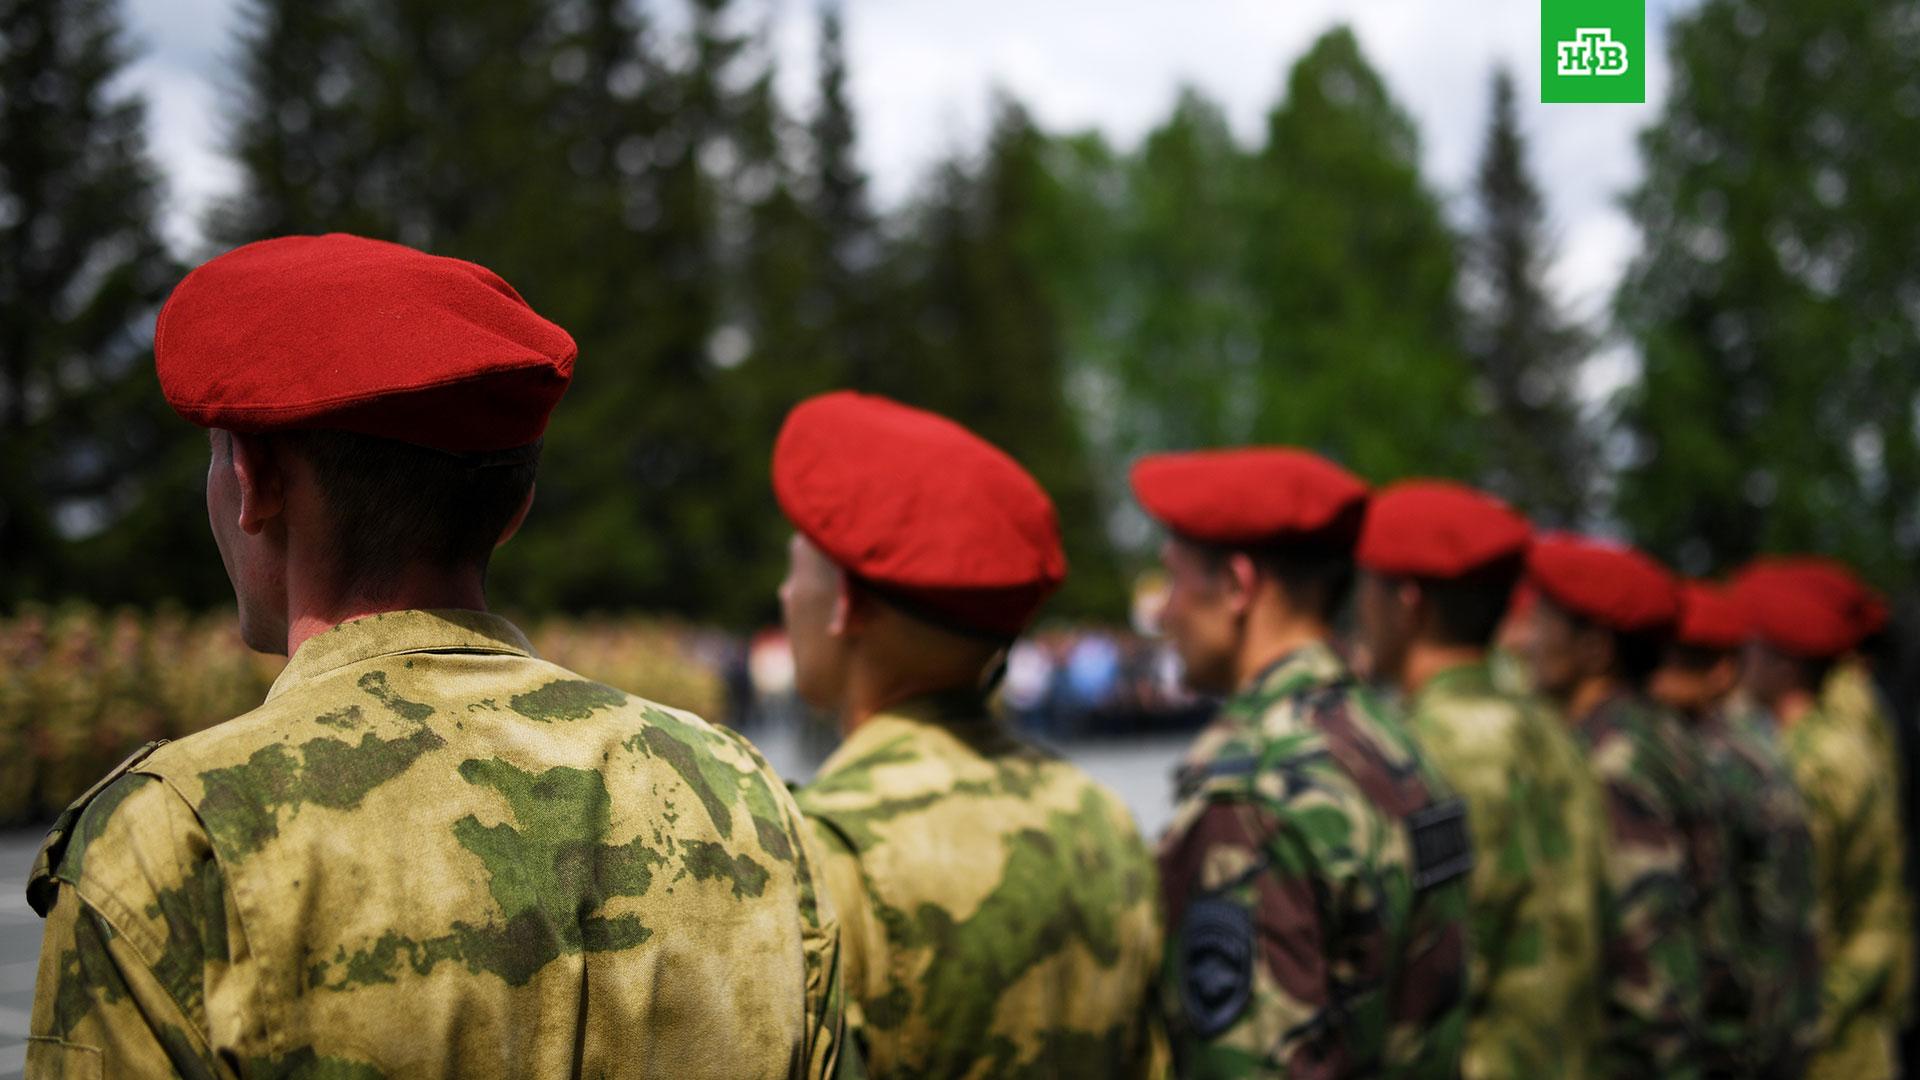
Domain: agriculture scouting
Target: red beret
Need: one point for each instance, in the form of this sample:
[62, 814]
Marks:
[1615, 586]
[1709, 618]
[1865, 608]
[347, 334]
[1253, 496]
[921, 508]
[1438, 529]
[1795, 612]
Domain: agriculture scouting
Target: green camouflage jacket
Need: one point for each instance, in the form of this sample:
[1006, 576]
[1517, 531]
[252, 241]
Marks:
[1651, 999]
[1851, 697]
[429, 854]
[1535, 894]
[1767, 1003]
[997, 905]
[1315, 880]
[1865, 922]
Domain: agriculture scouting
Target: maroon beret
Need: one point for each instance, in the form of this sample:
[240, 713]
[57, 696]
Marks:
[1252, 496]
[1710, 618]
[1865, 608]
[1438, 529]
[1798, 608]
[1611, 585]
[343, 333]
[920, 508]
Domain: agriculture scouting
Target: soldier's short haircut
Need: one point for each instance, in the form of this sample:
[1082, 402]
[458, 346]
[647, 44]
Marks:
[1638, 655]
[1315, 579]
[397, 506]
[1467, 610]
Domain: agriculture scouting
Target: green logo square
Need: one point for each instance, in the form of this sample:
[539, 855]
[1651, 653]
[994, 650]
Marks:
[1593, 50]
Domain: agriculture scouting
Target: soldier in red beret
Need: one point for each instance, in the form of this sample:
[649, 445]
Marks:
[1438, 563]
[1602, 619]
[996, 903]
[1315, 872]
[428, 853]
[1800, 624]
[1762, 986]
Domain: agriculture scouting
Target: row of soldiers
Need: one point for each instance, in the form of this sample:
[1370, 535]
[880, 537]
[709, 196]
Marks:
[429, 853]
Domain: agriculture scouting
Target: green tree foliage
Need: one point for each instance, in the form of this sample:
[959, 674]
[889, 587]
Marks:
[1526, 351]
[1777, 300]
[82, 270]
[1353, 273]
[1301, 292]
[976, 332]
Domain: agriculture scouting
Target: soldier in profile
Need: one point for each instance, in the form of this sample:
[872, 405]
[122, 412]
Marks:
[996, 905]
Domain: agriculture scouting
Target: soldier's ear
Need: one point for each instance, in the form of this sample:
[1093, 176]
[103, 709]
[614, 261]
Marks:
[1242, 578]
[519, 516]
[1410, 596]
[849, 605]
[261, 481]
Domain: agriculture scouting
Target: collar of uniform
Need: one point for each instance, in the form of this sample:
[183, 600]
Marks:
[393, 632]
[940, 712]
[1310, 665]
[1471, 679]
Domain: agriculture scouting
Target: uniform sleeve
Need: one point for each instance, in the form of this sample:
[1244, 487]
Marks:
[861, 942]
[1863, 910]
[138, 934]
[1245, 978]
[1652, 998]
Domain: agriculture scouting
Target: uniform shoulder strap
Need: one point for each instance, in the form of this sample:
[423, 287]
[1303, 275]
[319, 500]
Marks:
[40, 884]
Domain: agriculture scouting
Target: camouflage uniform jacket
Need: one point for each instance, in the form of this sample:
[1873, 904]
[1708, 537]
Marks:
[429, 854]
[1651, 998]
[1851, 697]
[1768, 1003]
[997, 905]
[1315, 878]
[1865, 922]
[1535, 893]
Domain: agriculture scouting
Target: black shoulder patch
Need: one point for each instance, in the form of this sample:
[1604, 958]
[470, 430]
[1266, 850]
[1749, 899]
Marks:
[1441, 848]
[1216, 964]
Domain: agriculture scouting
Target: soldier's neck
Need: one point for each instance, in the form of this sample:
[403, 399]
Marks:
[1426, 659]
[873, 690]
[1271, 637]
[314, 608]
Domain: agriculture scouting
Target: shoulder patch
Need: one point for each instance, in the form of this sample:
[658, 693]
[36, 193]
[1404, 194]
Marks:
[1441, 849]
[1216, 964]
[40, 887]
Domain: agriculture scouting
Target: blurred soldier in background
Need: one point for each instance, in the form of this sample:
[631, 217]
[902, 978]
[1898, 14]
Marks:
[1601, 619]
[997, 905]
[429, 853]
[1315, 872]
[1865, 927]
[1762, 991]
[1438, 563]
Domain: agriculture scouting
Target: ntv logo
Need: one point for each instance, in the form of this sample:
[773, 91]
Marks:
[1592, 52]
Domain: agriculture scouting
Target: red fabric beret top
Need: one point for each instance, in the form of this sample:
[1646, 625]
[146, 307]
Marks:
[1254, 496]
[344, 333]
[1710, 618]
[1438, 529]
[1865, 608]
[1798, 610]
[1612, 585]
[920, 507]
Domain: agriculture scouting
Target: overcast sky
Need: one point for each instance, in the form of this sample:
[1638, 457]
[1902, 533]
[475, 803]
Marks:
[923, 71]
